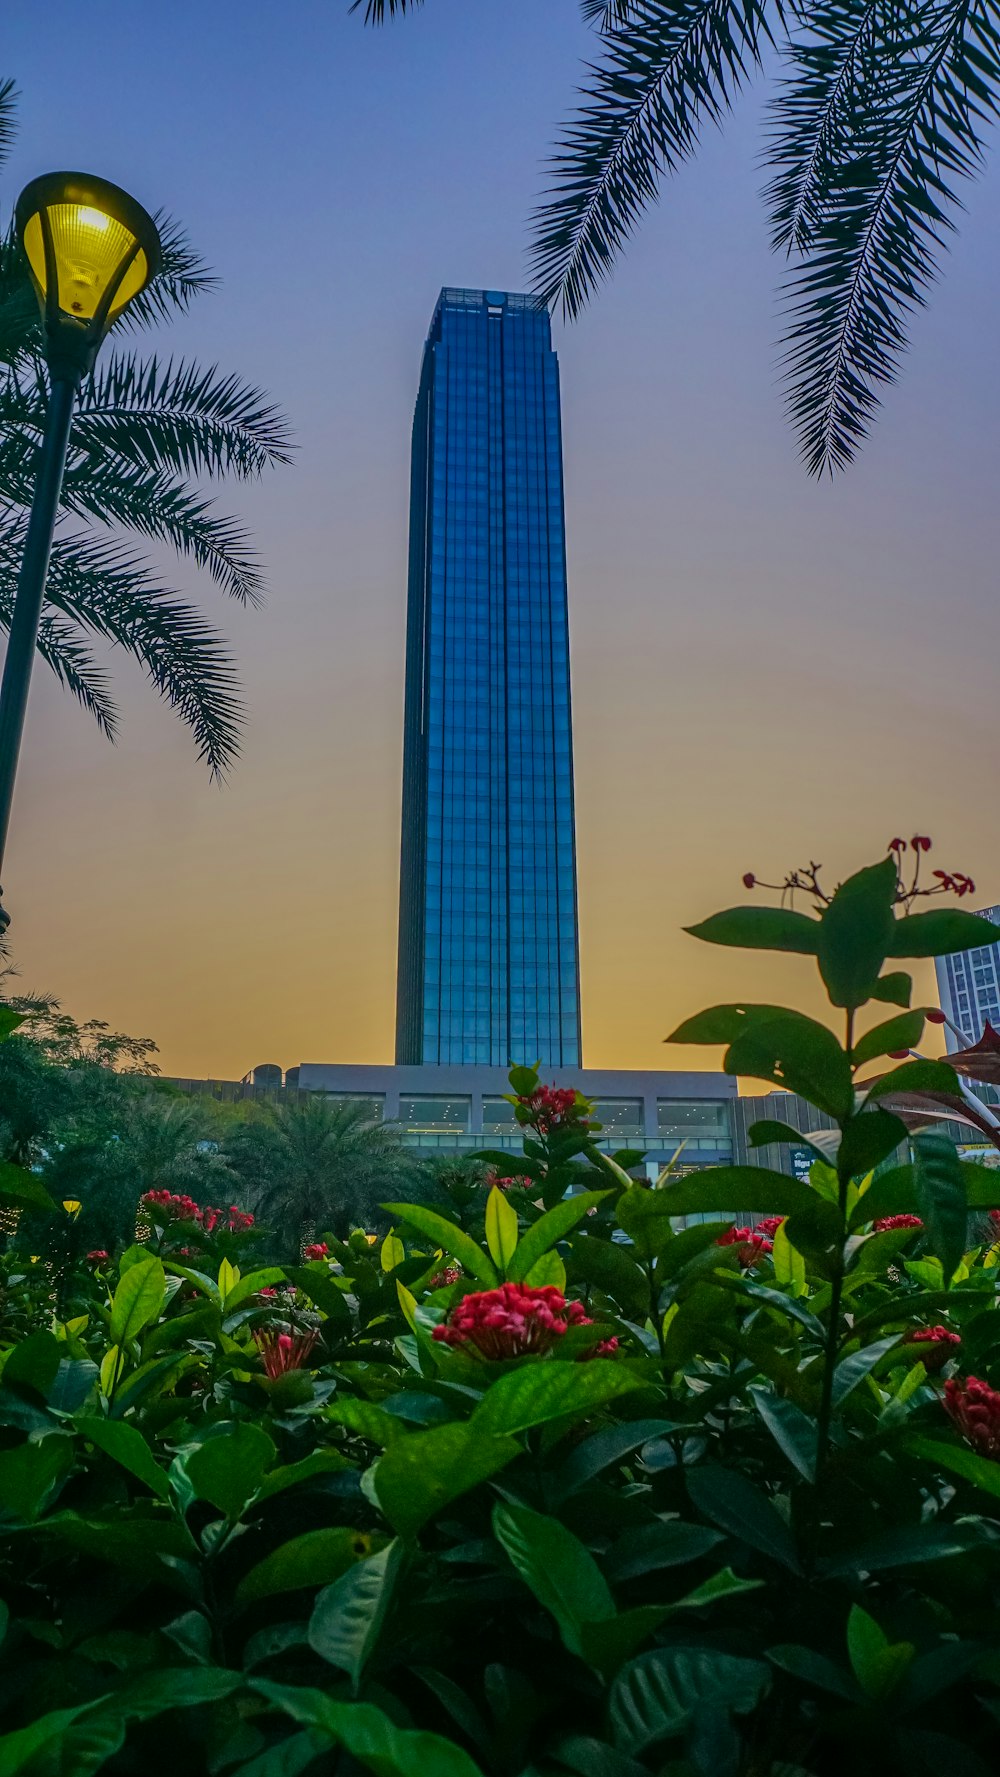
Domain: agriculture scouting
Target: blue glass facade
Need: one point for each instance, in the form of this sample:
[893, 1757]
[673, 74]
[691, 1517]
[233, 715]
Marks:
[488, 945]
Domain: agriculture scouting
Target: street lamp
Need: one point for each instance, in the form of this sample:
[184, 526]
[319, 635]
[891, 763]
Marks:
[90, 250]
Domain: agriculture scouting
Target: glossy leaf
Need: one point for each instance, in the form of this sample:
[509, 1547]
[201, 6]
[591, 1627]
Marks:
[228, 1469]
[940, 932]
[347, 1617]
[915, 1076]
[554, 1225]
[732, 1501]
[723, 1024]
[428, 1469]
[792, 1430]
[894, 989]
[800, 1055]
[312, 1559]
[957, 1459]
[30, 1472]
[370, 1736]
[602, 1449]
[754, 1190]
[670, 1543]
[501, 1229]
[941, 1199]
[761, 928]
[137, 1300]
[856, 930]
[557, 1567]
[443, 1233]
[868, 1139]
[542, 1392]
[853, 1369]
[656, 1696]
[904, 1032]
[22, 1190]
[127, 1446]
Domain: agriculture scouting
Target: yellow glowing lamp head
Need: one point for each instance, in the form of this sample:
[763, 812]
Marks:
[90, 248]
[72, 1206]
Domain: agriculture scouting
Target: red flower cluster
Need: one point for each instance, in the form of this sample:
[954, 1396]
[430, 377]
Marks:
[768, 1226]
[318, 1249]
[516, 1320]
[184, 1209]
[442, 1279]
[97, 1257]
[282, 1352]
[749, 880]
[519, 1183]
[975, 1408]
[919, 842]
[750, 1244]
[885, 1224]
[939, 1343]
[172, 1207]
[237, 1221]
[552, 1107]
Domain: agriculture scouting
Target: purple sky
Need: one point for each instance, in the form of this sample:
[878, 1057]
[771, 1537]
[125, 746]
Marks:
[764, 669]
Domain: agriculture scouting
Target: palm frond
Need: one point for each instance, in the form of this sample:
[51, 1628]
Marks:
[62, 648]
[8, 111]
[182, 276]
[607, 15]
[812, 110]
[112, 593]
[377, 11]
[181, 418]
[674, 65]
[910, 120]
[155, 504]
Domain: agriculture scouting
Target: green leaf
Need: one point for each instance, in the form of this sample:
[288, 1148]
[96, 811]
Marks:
[904, 1032]
[980, 1470]
[815, 1669]
[893, 1194]
[799, 1054]
[789, 1264]
[723, 1024]
[940, 1188]
[603, 1448]
[761, 928]
[542, 1392]
[347, 1617]
[523, 1081]
[751, 1190]
[916, 1076]
[855, 932]
[255, 1280]
[767, 1131]
[34, 1363]
[940, 932]
[910, 1545]
[127, 1446]
[868, 1139]
[137, 1300]
[392, 1253]
[369, 1736]
[878, 1665]
[669, 1543]
[445, 1234]
[612, 1268]
[228, 1469]
[645, 1216]
[30, 1472]
[319, 1462]
[315, 1282]
[9, 1021]
[366, 1419]
[853, 1369]
[21, 1189]
[893, 989]
[428, 1469]
[553, 1226]
[982, 1185]
[557, 1568]
[792, 1430]
[312, 1559]
[501, 1229]
[657, 1696]
[730, 1500]
[548, 1272]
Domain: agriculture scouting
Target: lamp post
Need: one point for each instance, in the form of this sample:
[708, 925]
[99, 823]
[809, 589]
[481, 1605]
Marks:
[90, 250]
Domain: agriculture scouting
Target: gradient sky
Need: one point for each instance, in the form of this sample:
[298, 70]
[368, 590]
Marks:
[765, 670]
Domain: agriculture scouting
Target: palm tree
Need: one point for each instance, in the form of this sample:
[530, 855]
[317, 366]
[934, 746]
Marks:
[882, 108]
[146, 432]
[319, 1164]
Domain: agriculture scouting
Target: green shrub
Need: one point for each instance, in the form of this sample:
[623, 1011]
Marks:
[548, 1480]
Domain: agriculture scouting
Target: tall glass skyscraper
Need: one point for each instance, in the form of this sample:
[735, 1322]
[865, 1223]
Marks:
[488, 944]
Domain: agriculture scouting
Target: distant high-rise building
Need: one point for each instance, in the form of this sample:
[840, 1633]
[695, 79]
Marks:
[488, 944]
[969, 986]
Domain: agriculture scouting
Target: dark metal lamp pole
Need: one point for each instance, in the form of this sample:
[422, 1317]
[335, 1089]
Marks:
[90, 250]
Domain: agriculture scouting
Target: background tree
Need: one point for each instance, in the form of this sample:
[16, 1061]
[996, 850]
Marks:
[882, 108]
[146, 433]
[319, 1164]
